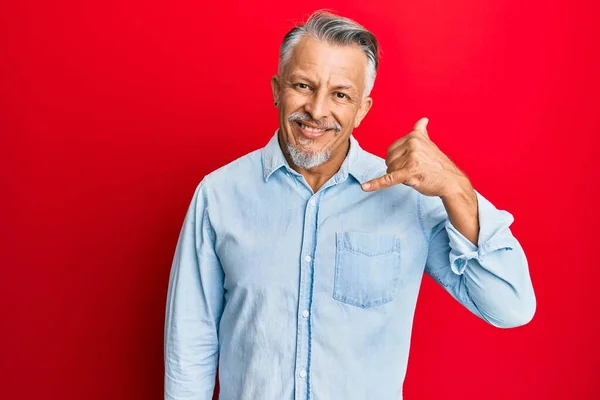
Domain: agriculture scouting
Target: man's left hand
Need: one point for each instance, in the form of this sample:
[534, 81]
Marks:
[416, 161]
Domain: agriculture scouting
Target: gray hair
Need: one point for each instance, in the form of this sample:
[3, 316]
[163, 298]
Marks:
[336, 30]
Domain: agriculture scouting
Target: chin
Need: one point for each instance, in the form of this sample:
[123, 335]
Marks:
[307, 159]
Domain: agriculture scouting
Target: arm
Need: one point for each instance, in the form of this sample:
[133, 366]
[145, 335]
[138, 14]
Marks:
[194, 307]
[492, 278]
[481, 264]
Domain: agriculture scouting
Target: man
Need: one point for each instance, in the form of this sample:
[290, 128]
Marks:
[298, 265]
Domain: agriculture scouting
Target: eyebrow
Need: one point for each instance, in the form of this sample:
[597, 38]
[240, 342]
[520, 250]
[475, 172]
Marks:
[347, 87]
[294, 77]
[338, 87]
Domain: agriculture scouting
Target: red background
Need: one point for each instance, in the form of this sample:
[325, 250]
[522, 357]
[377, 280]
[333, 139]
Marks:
[110, 115]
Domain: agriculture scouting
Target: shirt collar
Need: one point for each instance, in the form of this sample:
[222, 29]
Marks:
[354, 164]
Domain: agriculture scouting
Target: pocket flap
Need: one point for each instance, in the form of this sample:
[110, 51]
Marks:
[369, 244]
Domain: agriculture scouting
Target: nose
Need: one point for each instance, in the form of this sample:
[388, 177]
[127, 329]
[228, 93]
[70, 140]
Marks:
[318, 106]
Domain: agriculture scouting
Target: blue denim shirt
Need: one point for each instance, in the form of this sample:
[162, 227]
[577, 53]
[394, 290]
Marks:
[301, 295]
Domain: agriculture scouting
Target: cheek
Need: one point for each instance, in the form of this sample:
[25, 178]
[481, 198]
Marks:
[293, 101]
[346, 117]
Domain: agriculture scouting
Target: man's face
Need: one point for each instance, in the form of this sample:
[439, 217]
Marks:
[320, 99]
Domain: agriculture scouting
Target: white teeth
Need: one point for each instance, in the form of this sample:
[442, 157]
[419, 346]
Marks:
[312, 130]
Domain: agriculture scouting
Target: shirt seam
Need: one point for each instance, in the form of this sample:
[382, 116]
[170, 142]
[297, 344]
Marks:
[205, 216]
[420, 218]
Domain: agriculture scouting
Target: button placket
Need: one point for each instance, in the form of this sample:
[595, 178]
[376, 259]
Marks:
[305, 299]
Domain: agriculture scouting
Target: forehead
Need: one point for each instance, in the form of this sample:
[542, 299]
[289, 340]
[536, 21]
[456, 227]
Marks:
[323, 61]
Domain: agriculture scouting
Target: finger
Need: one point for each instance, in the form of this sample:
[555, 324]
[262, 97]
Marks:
[387, 180]
[398, 163]
[397, 152]
[398, 143]
[406, 140]
[415, 143]
[421, 126]
[415, 134]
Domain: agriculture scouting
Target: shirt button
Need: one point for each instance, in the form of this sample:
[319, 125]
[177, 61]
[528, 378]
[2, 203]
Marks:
[307, 258]
[303, 374]
[305, 313]
[311, 202]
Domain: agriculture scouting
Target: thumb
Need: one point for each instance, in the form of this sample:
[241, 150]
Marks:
[421, 125]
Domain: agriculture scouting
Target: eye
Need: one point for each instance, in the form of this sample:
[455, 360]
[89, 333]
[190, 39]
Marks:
[341, 95]
[302, 86]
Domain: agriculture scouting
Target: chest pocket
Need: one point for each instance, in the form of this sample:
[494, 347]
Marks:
[367, 268]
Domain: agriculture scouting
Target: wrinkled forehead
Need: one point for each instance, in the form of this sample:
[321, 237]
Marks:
[325, 62]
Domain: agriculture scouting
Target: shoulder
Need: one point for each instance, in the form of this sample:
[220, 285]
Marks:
[371, 165]
[245, 170]
[245, 167]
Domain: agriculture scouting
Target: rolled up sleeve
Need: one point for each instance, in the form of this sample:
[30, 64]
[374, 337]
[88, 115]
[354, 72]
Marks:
[491, 279]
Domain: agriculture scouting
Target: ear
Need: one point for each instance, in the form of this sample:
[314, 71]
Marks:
[275, 87]
[363, 109]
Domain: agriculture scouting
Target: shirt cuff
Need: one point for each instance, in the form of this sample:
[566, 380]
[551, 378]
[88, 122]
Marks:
[493, 235]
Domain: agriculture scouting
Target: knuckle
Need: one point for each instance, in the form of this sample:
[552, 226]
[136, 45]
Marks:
[413, 160]
[389, 161]
[413, 143]
[393, 146]
[412, 181]
[413, 165]
[393, 166]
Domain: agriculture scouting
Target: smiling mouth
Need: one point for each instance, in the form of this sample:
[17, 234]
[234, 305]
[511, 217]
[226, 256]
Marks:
[310, 128]
[309, 131]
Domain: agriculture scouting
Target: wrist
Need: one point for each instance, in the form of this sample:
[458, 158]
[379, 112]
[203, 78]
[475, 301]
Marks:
[462, 207]
[460, 190]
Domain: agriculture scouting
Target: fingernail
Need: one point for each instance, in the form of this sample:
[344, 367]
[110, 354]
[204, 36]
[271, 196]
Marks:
[366, 186]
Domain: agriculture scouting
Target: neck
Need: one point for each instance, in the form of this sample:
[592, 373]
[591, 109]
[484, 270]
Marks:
[317, 176]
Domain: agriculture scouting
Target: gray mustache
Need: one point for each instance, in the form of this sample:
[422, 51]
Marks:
[305, 117]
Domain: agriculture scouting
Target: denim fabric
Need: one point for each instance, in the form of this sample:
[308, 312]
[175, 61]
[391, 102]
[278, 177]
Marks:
[299, 295]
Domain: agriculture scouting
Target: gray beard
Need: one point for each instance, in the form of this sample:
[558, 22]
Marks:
[306, 160]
